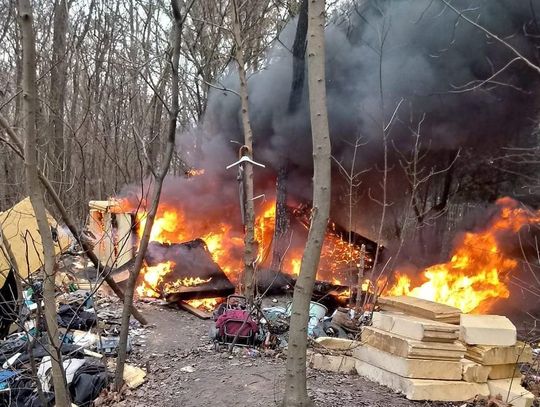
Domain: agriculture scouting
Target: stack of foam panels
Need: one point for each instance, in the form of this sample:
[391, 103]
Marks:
[492, 347]
[412, 349]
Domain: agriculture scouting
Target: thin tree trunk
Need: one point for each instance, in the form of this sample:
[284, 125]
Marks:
[282, 221]
[295, 380]
[57, 92]
[30, 107]
[361, 268]
[299, 58]
[156, 194]
[249, 227]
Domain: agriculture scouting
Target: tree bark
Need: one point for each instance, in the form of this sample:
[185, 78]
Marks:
[30, 106]
[361, 268]
[155, 195]
[295, 380]
[57, 92]
[249, 227]
[299, 58]
[282, 221]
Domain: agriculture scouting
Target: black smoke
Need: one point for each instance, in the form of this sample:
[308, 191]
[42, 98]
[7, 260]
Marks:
[379, 53]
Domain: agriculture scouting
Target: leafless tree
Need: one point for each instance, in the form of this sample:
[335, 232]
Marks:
[30, 108]
[295, 380]
[179, 16]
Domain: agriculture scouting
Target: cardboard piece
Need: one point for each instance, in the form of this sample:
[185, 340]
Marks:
[133, 376]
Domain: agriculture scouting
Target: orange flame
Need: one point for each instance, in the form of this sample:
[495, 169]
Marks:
[184, 282]
[152, 278]
[477, 270]
[207, 304]
[152, 282]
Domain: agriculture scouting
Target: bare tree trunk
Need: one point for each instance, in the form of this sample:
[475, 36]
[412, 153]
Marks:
[361, 268]
[299, 58]
[57, 92]
[249, 227]
[156, 194]
[282, 221]
[30, 107]
[295, 385]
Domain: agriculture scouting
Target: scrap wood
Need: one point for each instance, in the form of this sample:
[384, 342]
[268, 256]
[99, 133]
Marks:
[133, 376]
[194, 311]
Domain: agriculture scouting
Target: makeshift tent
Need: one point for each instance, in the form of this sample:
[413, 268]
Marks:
[20, 240]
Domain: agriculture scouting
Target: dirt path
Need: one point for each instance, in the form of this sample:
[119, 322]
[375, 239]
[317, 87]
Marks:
[179, 340]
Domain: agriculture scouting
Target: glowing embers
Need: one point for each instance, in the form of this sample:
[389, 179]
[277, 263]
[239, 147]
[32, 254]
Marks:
[478, 269]
[207, 304]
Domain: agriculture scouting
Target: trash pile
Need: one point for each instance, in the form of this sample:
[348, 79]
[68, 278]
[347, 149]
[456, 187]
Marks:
[430, 351]
[88, 340]
[88, 328]
[268, 327]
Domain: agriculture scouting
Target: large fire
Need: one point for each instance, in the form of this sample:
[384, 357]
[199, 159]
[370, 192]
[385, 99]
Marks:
[225, 243]
[478, 269]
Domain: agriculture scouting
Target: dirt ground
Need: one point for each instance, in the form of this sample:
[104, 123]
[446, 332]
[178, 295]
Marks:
[185, 370]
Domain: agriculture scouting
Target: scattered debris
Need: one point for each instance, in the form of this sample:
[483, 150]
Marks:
[187, 369]
[133, 376]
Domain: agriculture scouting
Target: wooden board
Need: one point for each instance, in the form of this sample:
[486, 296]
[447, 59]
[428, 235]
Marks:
[411, 348]
[421, 308]
[408, 367]
[494, 330]
[195, 311]
[333, 363]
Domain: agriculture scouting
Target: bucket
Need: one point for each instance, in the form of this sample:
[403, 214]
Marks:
[316, 314]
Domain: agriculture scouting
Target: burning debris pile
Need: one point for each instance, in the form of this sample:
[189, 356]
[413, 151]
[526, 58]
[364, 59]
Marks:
[194, 259]
[182, 271]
